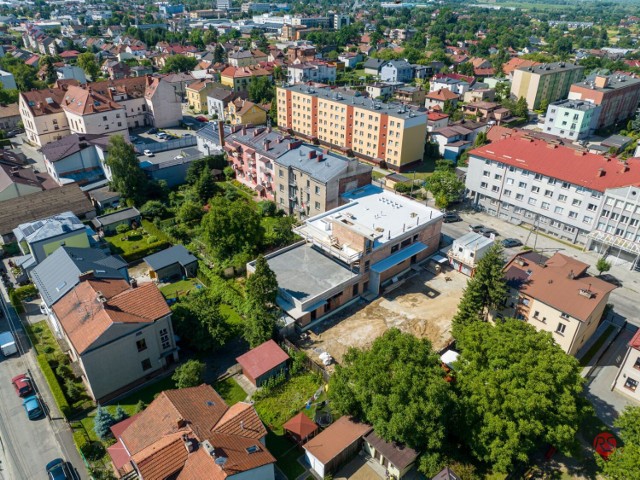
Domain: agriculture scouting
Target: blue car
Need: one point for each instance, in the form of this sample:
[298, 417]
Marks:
[33, 407]
[58, 469]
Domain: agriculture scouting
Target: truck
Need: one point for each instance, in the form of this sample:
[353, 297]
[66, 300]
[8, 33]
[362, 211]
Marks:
[8, 344]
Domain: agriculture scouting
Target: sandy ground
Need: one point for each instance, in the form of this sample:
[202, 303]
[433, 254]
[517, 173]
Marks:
[424, 306]
[140, 272]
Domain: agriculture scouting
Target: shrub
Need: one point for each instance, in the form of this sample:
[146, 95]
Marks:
[48, 349]
[152, 239]
[63, 371]
[73, 391]
[54, 386]
[229, 173]
[120, 414]
[93, 451]
[122, 228]
[140, 406]
[189, 374]
[153, 209]
[267, 208]
[102, 422]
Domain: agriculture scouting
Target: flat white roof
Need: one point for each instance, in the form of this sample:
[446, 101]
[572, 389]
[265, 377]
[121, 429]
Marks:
[378, 214]
[472, 241]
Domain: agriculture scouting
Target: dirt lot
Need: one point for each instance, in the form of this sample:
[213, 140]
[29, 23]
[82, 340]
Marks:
[424, 306]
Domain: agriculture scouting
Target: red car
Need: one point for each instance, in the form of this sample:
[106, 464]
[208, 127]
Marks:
[202, 118]
[22, 384]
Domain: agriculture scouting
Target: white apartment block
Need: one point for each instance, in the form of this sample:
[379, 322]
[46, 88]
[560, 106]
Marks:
[572, 119]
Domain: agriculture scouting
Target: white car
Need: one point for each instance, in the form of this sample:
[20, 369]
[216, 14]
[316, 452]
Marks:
[43, 309]
[148, 153]
[178, 157]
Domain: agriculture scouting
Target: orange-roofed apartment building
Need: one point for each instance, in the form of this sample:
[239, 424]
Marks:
[89, 112]
[238, 78]
[116, 335]
[373, 131]
[192, 434]
[556, 189]
[555, 295]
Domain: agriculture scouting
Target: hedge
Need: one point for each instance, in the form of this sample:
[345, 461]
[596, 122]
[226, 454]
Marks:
[143, 252]
[56, 390]
[151, 229]
[221, 288]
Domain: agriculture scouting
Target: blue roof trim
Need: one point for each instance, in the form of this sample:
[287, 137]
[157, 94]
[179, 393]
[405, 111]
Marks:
[398, 257]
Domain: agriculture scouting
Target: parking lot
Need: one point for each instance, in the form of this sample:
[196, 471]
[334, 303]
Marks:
[424, 306]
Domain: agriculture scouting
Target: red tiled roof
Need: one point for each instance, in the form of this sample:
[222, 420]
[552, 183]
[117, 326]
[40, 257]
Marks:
[82, 101]
[442, 95]
[70, 54]
[484, 72]
[435, 116]
[241, 419]
[301, 425]
[514, 63]
[335, 439]
[262, 359]
[563, 163]
[635, 341]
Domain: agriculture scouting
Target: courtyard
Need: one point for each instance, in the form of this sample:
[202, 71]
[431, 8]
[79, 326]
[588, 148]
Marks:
[424, 306]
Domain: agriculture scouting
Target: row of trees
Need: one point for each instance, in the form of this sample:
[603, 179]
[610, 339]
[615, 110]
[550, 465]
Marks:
[512, 390]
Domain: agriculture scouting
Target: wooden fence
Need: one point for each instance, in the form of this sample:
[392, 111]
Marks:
[309, 363]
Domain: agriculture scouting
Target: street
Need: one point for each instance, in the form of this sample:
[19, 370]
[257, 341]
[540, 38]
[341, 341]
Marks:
[28, 445]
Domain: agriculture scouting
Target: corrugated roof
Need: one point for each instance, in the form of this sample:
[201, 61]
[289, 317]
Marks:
[176, 254]
[263, 358]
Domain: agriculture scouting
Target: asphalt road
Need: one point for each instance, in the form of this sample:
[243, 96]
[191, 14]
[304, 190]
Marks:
[28, 445]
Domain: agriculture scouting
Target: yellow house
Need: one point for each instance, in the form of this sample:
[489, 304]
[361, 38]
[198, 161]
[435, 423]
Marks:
[197, 95]
[238, 78]
[243, 112]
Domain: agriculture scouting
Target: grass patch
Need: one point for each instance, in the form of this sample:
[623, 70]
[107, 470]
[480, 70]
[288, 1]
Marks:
[286, 453]
[376, 175]
[233, 318]
[134, 244]
[584, 361]
[230, 391]
[180, 288]
[287, 399]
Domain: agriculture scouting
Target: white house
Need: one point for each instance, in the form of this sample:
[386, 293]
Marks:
[321, 72]
[628, 376]
[466, 251]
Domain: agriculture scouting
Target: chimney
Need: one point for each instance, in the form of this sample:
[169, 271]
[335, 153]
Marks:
[600, 173]
[85, 276]
[221, 132]
[319, 157]
[267, 143]
[571, 275]
[244, 130]
[601, 81]
[312, 154]
[181, 422]
[625, 167]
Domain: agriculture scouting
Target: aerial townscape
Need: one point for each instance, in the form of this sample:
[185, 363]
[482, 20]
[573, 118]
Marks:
[293, 240]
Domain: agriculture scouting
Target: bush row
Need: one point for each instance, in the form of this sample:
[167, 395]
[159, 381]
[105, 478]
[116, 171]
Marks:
[221, 288]
[54, 385]
[155, 231]
[144, 251]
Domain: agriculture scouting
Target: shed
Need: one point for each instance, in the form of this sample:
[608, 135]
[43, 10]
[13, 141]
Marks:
[172, 262]
[335, 446]
[446, 474]
[301, 427]
[109, 223]
[392, 180]
[104, 198]
[396, 458]
[263, 362]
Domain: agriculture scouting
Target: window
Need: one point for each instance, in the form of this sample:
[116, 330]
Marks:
[280, 173]
[592, 207]
[566, 185]
[394, 248]
[317, 190]
[519, 196]
[141, 345]
[637, 364]
[537, 176]
[545, 205]
[573, 214]
[104, 118]
[146, 364]
[562, 198]
[282, 188]
[576, 202]
[486, 173]
[317, 205]
[522, 184]
[631, 384]
[564, 315]
[164, 338]
[587, 219]
[484, 185]
[367, 265]
[507, 193]
[497, 176]
[561, 328]
[558, 210]
[532, 201]
[509, 181]
[548, 193]
[535, 189]
[495, 188]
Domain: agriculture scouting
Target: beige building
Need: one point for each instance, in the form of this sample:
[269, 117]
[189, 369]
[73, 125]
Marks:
[197, 95]
[556, 295]
[371, 130]
[116, 335]
[547, 82]
[42, 115]
[91, 113]
[628, 376]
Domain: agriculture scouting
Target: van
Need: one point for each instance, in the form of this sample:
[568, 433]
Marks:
[8, 344]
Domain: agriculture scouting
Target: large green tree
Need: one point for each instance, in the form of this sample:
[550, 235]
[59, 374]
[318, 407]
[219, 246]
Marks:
[260, 90]
[231, 228]
[398, 387]
[486, 290]
[189, 374]
[179, 64]
[444, 184]
[198, 321]
[518, 390]
[260, 304]
[87, 62]
[624, 463]
[127, 176]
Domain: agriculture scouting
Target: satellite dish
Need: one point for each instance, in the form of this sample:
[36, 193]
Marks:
[221, 461]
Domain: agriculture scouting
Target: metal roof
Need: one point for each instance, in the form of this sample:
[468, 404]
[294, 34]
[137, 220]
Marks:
[170, 256]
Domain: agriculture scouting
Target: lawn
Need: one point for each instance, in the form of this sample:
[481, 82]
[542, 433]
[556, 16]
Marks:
[233, 318]
[286, 453]
[180, 288]
[287, 399]
[230, 391]
[134, 244]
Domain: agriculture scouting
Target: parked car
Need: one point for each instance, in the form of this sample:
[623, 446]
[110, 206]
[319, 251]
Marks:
[153, 131]
[476, 228]
[487, 232]
[148, 153]
[33, 407]
[187, 135]
[451, 217]
[511, 242]
[161, 134]
[58, 469]
[22, 384]
[43, 309]
[202, 118]
[610, 279]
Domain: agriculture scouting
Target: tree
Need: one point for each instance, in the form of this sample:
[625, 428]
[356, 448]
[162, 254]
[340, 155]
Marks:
[481, 139]
[87, 62]
[624, 463]
[218, 54]
[153, 209]
[102, 422]
[273, 113]
[127, 176]
[190, 212]
[602, 265]
[205, 187]
[46, 63]
[521, 108]
[231, 227]
[189, 374]
[444, 185]
[198, 320]
[486, 290]
[260, 307]
[260, 90]
[398, 387]
[120, 414]
[179, 64]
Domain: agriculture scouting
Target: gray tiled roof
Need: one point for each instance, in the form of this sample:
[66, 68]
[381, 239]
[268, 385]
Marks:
[169, 256]
[57, 274]
[328, 168]
[111, 218]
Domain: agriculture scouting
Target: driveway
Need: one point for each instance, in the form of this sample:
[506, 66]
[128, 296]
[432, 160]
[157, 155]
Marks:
[28, 445]
[609, 404]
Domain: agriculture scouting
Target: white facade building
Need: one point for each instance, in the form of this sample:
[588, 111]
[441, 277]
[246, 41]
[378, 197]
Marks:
[572, 119]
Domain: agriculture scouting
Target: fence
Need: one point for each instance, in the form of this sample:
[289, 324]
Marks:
[309, 363]
[156, 147]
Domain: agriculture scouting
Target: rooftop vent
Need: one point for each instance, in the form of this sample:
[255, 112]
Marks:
[585, 292]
